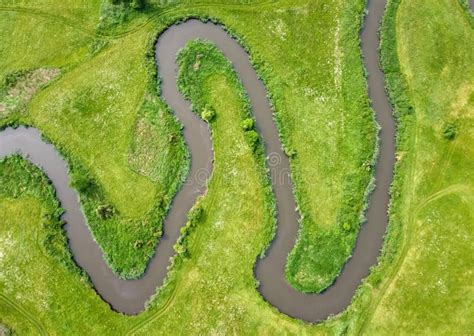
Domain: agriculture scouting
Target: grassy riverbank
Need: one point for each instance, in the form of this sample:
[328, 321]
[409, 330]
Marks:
[123, 143]
[433, 47]
[212, 280]
[103, 114]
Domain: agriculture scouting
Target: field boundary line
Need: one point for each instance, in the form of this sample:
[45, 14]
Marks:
[25, 313]
[57, 18]
[154, 16]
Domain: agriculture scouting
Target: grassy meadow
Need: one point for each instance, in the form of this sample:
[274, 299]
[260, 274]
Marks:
[430, 288]
[104, 116]
[125, 152]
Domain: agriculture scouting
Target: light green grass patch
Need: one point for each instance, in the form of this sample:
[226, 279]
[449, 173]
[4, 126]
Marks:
[431, 291]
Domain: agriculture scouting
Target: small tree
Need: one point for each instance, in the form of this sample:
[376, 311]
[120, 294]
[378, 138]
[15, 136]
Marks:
[138, 4]
[195, 215]
[83, 183]
[290, 152]
[105, 211]
[449, 131]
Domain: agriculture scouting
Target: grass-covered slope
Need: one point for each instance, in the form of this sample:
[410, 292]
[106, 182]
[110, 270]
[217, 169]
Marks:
[93, 113]
[237, 219]
[324, 116]
[41, 289]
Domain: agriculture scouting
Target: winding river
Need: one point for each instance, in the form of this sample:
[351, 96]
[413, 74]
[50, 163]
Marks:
[129, 296]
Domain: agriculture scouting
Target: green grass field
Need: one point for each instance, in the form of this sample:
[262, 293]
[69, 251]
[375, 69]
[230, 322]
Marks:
[104, 116]
[434, 42]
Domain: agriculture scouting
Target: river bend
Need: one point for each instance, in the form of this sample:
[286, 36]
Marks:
[129, 296]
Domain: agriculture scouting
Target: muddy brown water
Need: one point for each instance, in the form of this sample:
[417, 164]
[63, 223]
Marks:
[129, 296]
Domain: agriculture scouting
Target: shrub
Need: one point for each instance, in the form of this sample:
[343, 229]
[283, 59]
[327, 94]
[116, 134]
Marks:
[290, 152]
[138, 4]
[208, 114]
[105, 211]
[252, 138]
[346, 226]
[181, 250]
[247, 124]
[83, 183]
[138, 244]
[449, 131]
[135, 4]
[195, 215]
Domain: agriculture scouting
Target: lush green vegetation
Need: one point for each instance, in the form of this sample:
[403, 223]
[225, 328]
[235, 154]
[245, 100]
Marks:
[92, 114]
[318, 89]
[212, 241]
[435, 100]
[104, 115]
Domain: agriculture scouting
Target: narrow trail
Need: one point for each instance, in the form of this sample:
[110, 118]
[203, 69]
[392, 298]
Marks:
[150, 20]
[130, 296]
[25, 313]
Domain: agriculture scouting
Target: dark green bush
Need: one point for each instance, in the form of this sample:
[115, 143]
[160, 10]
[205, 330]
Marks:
[83, 183]
[105, 211]
[195, 214]
[290, 152]
[113, 13]
[194, 217]
[449, 131]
